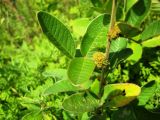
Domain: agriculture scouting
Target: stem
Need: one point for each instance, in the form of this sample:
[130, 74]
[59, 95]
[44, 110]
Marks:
[106, 68]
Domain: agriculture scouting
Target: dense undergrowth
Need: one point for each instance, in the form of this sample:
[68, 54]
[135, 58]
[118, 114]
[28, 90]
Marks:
[29, 63]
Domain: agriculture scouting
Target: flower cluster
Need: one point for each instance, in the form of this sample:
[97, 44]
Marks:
[99, 59]
[114, 32]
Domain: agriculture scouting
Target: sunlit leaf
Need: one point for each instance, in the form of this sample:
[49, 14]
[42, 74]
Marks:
[96, 35]
[80, 103]
[57, 33]
[151, 30]
[80, 26]
[153, 42]
[80, 70]
[147, 92]
[33, 115]
[57, 74]
[61, 86]
[137, 52]
[120, 94]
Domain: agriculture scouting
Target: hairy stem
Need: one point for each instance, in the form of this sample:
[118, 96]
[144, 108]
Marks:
[106, 68]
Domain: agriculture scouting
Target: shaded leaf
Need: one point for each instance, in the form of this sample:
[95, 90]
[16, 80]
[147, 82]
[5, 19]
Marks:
[116, 46]
[134, 113]
[120, 56]
[128, 30]
[80, 70]
[97, 3]
[80, 103]
[57, 33]
[118, 51]
[95, 37]
[138, 12]
[129, 4]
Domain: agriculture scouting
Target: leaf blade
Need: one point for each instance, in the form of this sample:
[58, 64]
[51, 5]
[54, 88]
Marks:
[57, 33]
[80, 70]
[95, 35]
[79, 103]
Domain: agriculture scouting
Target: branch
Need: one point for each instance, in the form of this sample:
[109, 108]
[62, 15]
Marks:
[106, 68]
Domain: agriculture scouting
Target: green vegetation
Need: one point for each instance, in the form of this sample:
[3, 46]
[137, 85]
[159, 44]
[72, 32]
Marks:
[79, 60]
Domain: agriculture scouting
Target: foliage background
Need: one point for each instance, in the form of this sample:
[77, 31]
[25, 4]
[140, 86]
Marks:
[28, 59]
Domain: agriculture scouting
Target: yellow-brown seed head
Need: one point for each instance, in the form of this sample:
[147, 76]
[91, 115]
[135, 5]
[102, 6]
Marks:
[99, 58]
[114, 32]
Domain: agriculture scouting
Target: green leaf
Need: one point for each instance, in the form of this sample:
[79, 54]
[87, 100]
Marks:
[79, 26]
[137, 52]
[33, 115]
[151, 30]
[117, 45]
[57, 74]
[118, 95]
[134, 113]
[153, 42]
[118, 51]
[80, 103]
[95, 36]
[95, 87]
[128, 30]
[147, 92]
[80, 70]
[138, 12]
[61, 86]
[129, 4]
[124, 113]
[57, 33]
[120, 56]
[97, 3]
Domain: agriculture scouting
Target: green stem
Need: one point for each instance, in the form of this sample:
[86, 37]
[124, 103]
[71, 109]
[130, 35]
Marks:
[106, 68]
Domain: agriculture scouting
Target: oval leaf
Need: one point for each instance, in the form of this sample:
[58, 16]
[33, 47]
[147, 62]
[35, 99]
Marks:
[128, 30]
[118, 95]
[80, 103]
[153, 42]
[129, 4]
[61, 86]
[57, 74]
[118, 51]
[57, 33]
[151, 31]
[117, 45]
[147, 92]
[137, 52]
[80, 70]
[95, 37]
[138, 12]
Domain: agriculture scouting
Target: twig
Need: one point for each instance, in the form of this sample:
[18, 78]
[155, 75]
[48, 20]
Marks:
[106, 68]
